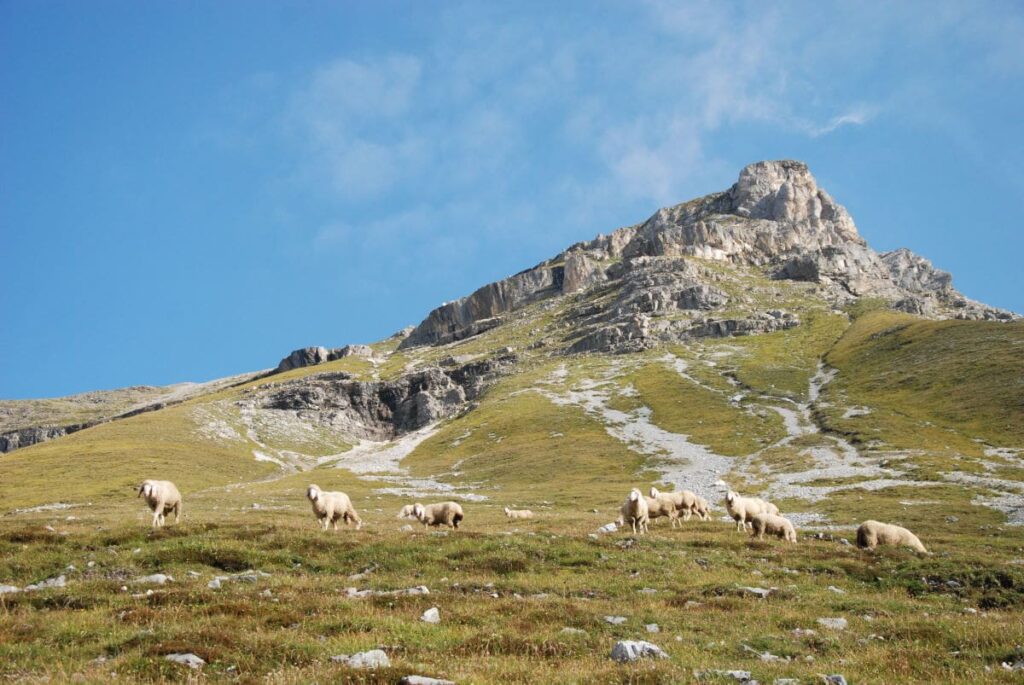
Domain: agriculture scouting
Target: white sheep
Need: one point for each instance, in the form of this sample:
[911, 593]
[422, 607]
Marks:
[773, 525]
[634, 511]
[518, 513]
[163, 497]
[444, 513]
[870, 534]
[744, 509]
[684, 501]
[406, 512]
[659, 505]
[702, 509]
[329, 507]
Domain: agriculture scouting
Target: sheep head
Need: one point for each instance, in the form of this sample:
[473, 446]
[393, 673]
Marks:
[313, 493]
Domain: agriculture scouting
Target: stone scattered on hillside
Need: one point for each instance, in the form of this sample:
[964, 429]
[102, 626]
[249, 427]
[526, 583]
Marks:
[374, 658]
[757, 591]
[833, 623]
[431, 615]
[423, 680]
[154, 579]
[615, 620]
[9, 589]
[834, 679]
[737, 675]
[626, 651]
[249, 576]
[187, 659]
[418, 590]
[58, 582]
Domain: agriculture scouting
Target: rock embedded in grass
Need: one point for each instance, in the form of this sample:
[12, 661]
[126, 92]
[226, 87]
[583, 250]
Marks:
[58, 582]
[833, 623]
[423, 680]
[615, 620]
[431, 615]
[155, 579]
[626, 651]
[187, 659]
[8, 589]
[374, 658]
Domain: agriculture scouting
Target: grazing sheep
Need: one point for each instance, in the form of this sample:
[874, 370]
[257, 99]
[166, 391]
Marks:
[331, 506]
[162, 497]
[684, 501]
[773, 525]
[702, 509]
[744, 509]
[445, 513]
[873, 533]
[660, 505]
[406, 512]
[518, 513]
[634, 511]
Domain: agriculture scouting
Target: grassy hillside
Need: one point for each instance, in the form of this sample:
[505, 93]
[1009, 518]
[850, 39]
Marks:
[930, 383]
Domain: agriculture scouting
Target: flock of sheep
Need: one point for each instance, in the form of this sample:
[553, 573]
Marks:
[758, 515]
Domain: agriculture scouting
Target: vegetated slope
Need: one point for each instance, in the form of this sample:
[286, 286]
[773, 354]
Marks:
[959, 375]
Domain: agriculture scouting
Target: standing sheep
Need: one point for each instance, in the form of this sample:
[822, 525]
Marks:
[744, 509]
[518, 513]
[445, 513]
[634, 511]
[874, 533]
[331, 506]
[702, 509]
[162, 497]
[773, 525]
[684, 501]
[662, 504]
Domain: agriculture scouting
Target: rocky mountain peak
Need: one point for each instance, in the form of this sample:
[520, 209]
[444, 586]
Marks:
[785, 191]
[775, 221]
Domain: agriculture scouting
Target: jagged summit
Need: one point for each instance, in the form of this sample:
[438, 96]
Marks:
[775, 219]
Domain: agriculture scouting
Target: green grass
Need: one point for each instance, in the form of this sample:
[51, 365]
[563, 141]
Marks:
[548, 576]
[930, 384]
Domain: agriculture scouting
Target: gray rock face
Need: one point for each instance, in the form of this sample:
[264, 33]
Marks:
[380, 410]
[30, 436]
[463, 318]
[626, 651]
[310, 356]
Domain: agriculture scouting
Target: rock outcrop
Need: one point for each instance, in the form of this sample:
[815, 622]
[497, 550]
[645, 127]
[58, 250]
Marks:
[310, 356]
[481, 311]
[379, 410]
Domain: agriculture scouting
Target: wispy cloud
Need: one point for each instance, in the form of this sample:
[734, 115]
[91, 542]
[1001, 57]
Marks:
[855, 117]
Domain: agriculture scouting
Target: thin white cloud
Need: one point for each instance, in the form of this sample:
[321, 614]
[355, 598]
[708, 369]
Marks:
[855, 117]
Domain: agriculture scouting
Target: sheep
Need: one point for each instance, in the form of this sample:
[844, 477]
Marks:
[870, 534]
[661, 504]
[773, 525]
[518, 513]
[163, 497]
[743, 509]
[445, 513]
[635, 511]
[331, 506]
[685, 502]
[702, 509]
[406, 512]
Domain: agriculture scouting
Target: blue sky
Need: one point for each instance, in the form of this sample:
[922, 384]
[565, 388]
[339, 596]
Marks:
[190, 190]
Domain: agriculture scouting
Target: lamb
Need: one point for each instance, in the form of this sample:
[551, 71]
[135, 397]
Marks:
[518, 513]
[744, 509]
[163, 497]
[635, 511]
[331, 506]
[870, 534]
[445, 513]
[773, 525]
